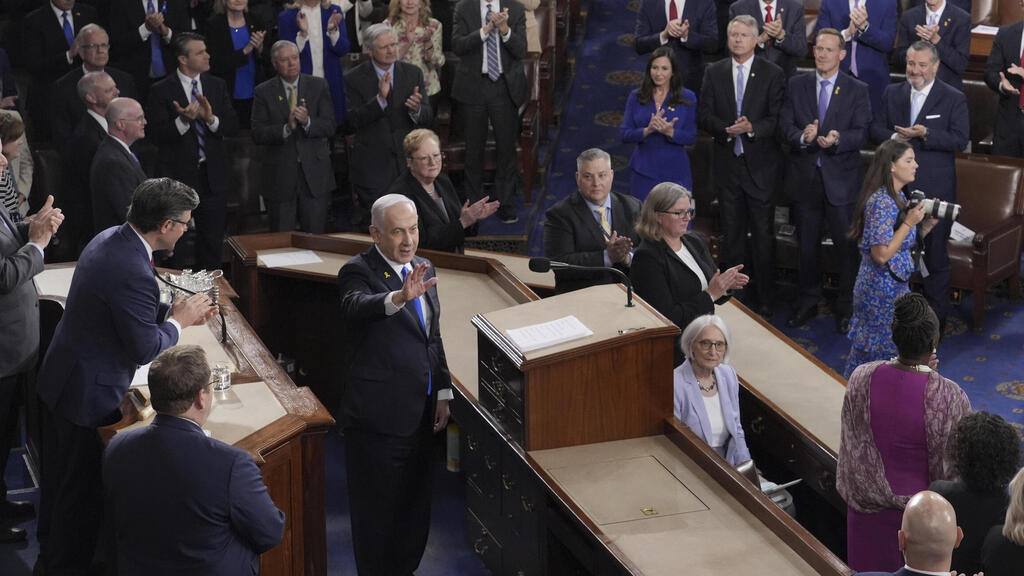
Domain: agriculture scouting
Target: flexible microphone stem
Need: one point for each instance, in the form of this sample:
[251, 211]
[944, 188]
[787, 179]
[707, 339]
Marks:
[542, 265]
[220, 312]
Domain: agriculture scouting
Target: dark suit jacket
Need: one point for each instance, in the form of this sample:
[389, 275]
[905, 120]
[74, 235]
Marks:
[573, 235]
[873, 45]
[305, 147]
[954, 47]
[849, 113]
[68, 108]
[215, 515]
[436, 233]
[763, 95]
[976, 512]
[466, 43]
[79, 151]
[944, 113]
[179, 153]
[377, 153]
[224, 59]
[388, 358]
[651, 21]
[128, 51]
[113, 323]
[19, 305]
[113, 179]
[783, 54]
[45, 45]
[964, 5]
[664, 282]
[1006, 50]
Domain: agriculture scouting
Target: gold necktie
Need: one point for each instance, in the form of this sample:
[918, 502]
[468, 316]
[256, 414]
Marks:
[292, 101]
[605, 224]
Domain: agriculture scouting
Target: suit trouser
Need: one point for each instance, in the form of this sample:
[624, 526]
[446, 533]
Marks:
[495, 105]
[9, 393]
[311, 210]
[389, 494]
[742, 210]
[810, 212]
[211, 221]
[940, 273]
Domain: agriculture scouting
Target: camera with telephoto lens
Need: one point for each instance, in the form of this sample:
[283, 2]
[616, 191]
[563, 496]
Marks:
[935, 208]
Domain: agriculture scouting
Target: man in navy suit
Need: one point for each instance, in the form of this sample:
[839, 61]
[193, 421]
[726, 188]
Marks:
[932, 116]
[869, 29]
[928, 536]
[113, 323]
[397, 388]
[783, 38]
[825, 121]
[207, 510]
[1004, 75]
[948, 28]
[739, 106]
[689, 26]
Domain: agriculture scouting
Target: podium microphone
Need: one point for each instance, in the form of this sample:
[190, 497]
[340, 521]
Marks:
[223, 322]
[542, 265]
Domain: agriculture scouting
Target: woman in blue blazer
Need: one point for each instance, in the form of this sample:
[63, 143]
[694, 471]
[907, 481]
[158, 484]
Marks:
[297, 25]
[661, 118]
[707, 390]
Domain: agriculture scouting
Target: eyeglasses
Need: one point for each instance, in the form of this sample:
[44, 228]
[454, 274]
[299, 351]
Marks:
[103, 46]
[684, 214]
[190, 225]
[429, 158]
[706, 345]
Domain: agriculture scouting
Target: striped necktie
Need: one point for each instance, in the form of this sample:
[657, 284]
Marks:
[493, 64]
[199, 124]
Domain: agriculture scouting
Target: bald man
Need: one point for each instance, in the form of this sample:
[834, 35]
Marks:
[927, 538]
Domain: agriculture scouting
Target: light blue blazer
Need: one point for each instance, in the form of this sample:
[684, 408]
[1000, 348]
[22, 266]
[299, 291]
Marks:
[689, 408]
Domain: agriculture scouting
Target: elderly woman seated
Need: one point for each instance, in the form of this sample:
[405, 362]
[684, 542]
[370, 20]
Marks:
[707, 389]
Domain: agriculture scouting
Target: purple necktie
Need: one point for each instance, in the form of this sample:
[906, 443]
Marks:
[822, 108]
[853, 50]
[737, 147]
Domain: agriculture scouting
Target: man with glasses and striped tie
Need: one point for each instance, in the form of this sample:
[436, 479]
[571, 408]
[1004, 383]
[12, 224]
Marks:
[946, 26]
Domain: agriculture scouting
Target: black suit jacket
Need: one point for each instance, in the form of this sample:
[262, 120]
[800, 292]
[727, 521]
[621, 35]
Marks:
[129, 51]
[573, 235]
[387, 358]
[179, 153]
[224, 59]
[954, 47]
[671, 287]
[45, 45]
[113, 179]
[68, 108]
[703, 38]
[466, 43]
[976, 512]
[786, 52]
[377, 153]
[79, 152]
[305, 147]
[763, 96]
[436, 232]
[1006, 50]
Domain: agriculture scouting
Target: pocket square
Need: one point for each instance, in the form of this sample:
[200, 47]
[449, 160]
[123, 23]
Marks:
[933, 116]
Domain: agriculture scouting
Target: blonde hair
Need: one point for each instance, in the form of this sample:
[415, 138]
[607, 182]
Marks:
[662, 197]
[1013, 527]
[395, 8]
[416, 138]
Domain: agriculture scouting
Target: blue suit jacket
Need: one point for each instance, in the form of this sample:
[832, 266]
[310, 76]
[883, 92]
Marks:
[112, 324]
[689, 408]
[388, 358]
[944, 113]
[873, 45]
[954, 47]
[703, 37]
[288, 29]
[849, 113]
[207, 510]
[786, 52]
[656, 156]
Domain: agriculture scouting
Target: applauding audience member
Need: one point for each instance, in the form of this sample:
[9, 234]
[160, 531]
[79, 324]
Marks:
[1005, 75]
[944, 25]
[783, 38]
[317, 29]
[236, 39]
[869, 29]
[689, 28]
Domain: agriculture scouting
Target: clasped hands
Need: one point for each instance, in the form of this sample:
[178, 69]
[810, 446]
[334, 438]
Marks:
[658, 123]
[155, 24]
[904, 134]
[826, 141]
[740, 127]
[200, 108]
[497, 20]
[858, 21]
[928, 33]
[677, 28]
[1004, 83]
[298, 117]
[619, 248]
[772, 30]
[332, 23]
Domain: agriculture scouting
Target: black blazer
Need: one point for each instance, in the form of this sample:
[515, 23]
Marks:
[377, 153]
[224, 59]
[128, 51]
[572, 235]
[954, 48]
[763, 96]
[783, 53]
[976, 512]
[466, 43]
[68, 108]
[113, 179]
[663, 281]
[45, 45]
[179, 153]
[387, 358]
[80, 151]
[435, 232]
[1005, 51]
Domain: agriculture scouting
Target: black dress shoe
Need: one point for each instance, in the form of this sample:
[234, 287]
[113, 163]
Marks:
[802, 316]
[843, 324]
[16, 510]
[12, 534]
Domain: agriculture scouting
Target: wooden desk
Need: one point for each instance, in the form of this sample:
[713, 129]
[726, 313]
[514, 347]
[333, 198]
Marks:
[288, 448]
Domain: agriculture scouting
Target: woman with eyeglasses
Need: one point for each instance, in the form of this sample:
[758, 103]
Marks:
[672, 269]
[707, 390]
[443, 219]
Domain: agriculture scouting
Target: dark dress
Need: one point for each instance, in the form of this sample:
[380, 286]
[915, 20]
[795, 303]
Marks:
[999, 556]
[976, 512]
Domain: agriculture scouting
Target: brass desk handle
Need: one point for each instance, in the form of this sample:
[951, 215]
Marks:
[480, 545]
[507, 481]
[527, 505]
[490, 464]
[757, 425]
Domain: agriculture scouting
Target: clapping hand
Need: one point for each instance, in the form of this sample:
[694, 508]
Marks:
[44, 224]
[928, 33]
[300, 21]
[859, 17]
[414, 285]
[413, 101]
[658, 123]
[188, 113]
[915, 131]
[775, 30]
[811, 132]
[741, 126]
[619, 248]
[256, 40]
[722, 282]
[1005, 85]
[674, 29]
[334, 21]
[473, 213]
[384, 86]
[298, 117]
[828, 140]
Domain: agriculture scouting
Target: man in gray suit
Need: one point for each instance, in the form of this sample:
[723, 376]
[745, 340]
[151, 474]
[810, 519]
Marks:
[116, 172]
[293, 117]
[21, 258]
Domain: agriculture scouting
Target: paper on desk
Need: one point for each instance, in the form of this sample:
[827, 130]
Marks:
[547, 334]
[141, 377]
[986, 30]
[961, 232]
[293, 258]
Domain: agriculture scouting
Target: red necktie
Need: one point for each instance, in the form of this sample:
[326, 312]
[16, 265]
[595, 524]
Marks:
[767, 14]
[673, 14]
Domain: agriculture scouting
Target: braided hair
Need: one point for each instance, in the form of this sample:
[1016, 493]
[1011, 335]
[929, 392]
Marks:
[914, 326]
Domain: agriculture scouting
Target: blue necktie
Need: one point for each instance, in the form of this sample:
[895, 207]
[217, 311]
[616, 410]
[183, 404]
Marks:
[423, 324]
[199, 124]
[932, 18]
[156, 55]
[822, 109]
[493, 66]
[69, 34]
[737, 147]
[915, 105]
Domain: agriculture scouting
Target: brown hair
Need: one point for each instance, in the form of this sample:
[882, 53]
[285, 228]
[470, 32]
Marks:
[879, 175]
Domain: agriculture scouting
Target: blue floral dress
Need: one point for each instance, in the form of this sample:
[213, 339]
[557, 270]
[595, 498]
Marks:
[875, 291]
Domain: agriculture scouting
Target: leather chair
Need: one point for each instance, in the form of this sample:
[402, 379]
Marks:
[982, 104]
[985, 12]
[1009, 12]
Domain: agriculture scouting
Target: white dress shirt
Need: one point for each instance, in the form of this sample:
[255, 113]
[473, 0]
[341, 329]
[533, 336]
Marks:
[186, 85]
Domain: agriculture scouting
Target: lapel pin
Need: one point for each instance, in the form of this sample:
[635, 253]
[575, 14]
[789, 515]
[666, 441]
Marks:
[280, 98]
[752, 74]
[837, 90]
[387, 275]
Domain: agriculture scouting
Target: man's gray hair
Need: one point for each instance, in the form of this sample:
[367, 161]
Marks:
[87, 83]
[380, 207]
[89, 30]
[694, 329]
[744, 19]
[925, 46]
[591, 154]
[373, 32]
[281, 45]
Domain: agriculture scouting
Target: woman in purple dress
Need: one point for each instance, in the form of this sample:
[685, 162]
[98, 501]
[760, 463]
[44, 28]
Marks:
[898, 421]
[886, 230]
